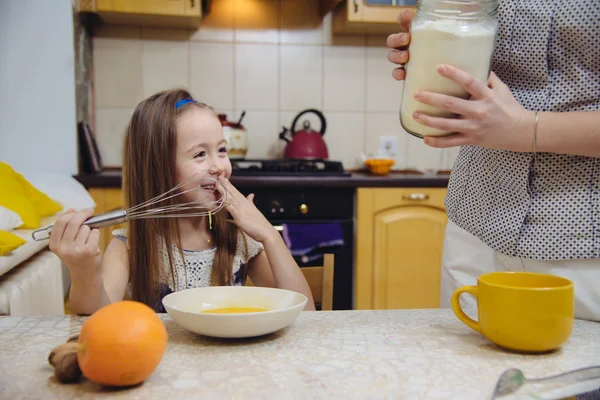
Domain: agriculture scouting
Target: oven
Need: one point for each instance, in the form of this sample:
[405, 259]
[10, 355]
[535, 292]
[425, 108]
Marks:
[305, 206]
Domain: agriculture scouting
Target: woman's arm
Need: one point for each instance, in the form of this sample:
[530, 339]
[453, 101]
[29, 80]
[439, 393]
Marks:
[493, 119]
[576, 133]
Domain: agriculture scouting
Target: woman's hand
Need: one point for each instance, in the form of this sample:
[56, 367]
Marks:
[77, 245]
[491, 118]
[399, 43]
[245, 214]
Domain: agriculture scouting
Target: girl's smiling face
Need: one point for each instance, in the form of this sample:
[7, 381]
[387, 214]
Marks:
[201, 147]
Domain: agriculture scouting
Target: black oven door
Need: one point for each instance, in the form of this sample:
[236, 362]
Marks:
[343, 254]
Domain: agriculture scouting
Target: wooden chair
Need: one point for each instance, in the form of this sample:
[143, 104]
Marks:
[320, 281]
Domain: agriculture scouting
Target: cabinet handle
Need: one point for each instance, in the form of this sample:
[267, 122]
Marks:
[415, 196]
[355, 6]
[192, 3]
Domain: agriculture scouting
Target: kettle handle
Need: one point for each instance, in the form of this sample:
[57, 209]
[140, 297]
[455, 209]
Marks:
[310, 110]
[283, 133]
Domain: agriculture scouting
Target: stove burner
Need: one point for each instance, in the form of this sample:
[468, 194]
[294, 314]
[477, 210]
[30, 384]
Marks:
[288, 167]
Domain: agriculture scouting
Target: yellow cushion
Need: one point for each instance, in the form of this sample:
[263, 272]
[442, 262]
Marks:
[18, 195]
[43, 204]
[9, 242]
[12, 196]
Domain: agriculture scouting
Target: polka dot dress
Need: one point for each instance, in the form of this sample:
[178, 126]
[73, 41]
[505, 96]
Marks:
[548, 53]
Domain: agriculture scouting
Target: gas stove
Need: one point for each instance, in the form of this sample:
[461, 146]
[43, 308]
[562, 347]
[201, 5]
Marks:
[287, 167]
[302, 205]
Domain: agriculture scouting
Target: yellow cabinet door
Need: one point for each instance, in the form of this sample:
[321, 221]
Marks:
[407, 253]
[156, 7]
[399, 244]
[366, 11]
[365, 17]
[179, 14]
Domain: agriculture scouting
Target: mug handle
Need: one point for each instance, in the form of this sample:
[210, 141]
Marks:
[472, 290]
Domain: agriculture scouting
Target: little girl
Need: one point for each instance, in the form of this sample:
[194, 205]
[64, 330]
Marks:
[170, 138]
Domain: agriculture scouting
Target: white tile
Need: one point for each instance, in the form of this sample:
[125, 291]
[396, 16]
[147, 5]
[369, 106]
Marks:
[257, 36]
[345, 137]
[117, 72]
[384, 93]
[301, 22]
[309, 35]
[301, 82]
[422, 157]
[164, 66]
[110, 132]
[166, 34]
[451, 154]
[257, 21]
[344, 78]
[211, 73]
[263, 134]
[211, 34]
[256, 77]
[385, 124]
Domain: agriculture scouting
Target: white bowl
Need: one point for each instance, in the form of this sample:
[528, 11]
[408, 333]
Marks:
[187, 308]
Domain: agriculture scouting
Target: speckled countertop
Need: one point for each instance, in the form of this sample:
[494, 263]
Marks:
[397, 354]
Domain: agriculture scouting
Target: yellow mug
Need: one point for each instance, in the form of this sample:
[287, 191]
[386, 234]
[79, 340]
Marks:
[521, 311]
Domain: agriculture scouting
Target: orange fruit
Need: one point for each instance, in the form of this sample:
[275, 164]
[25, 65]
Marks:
[121, 344]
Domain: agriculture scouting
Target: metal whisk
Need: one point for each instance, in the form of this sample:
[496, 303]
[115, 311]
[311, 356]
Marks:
[197, 208]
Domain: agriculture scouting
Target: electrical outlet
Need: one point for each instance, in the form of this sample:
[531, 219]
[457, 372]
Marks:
[388, 146]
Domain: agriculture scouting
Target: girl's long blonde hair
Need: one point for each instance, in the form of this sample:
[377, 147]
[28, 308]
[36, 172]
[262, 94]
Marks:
[148, 171]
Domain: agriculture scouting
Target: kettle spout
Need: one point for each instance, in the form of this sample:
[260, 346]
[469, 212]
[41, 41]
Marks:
[282, 135]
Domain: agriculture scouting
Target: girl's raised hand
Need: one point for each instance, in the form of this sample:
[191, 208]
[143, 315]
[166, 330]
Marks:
[245, 214]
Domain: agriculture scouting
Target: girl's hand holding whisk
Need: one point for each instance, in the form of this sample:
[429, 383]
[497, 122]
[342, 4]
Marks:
[77, 245]
[245, 214]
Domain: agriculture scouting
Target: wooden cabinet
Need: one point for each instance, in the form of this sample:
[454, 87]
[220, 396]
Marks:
[153, 7]
[148, 13]
[106, 199]
[373, 17]
[400, 237]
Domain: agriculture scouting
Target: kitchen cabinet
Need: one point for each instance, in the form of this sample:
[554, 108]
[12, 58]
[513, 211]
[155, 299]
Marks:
[106, 199]
[146, 13]
[399, 243]
[373, 17]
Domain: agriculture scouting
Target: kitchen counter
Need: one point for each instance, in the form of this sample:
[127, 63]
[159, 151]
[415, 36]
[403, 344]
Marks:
[412, 354]
[112, 179]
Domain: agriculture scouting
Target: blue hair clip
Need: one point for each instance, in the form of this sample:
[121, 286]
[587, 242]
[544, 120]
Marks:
[183, 102]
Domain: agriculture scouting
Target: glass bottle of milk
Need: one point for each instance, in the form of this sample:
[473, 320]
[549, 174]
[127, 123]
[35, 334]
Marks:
[460, 33]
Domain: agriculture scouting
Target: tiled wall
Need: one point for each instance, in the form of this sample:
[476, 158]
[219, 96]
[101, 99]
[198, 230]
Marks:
[270, 58]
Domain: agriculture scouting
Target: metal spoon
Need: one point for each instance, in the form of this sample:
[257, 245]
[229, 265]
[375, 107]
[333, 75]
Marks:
[571, 383]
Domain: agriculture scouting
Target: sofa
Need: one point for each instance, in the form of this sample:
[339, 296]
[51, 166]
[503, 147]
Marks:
[33, 280]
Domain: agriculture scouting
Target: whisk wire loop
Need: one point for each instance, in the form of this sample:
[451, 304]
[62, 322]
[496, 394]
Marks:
[195, 208]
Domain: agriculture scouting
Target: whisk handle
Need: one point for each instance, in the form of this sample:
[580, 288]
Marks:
[97, 221]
